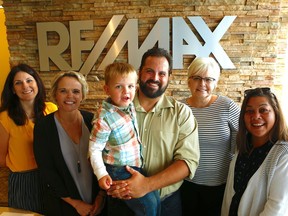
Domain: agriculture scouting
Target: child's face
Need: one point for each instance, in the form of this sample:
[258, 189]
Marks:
[121, 89]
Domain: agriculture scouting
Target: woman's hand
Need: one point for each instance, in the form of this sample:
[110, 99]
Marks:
[81, 207]
[99, 203]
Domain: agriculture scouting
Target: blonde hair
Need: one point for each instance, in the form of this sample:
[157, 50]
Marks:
[78, 76]
[201, 65]
[118, 68]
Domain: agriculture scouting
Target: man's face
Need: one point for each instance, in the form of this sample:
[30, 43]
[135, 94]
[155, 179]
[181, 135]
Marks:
[154, 76]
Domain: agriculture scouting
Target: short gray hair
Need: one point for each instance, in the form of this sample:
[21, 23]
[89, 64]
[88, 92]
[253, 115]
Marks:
[201, 65]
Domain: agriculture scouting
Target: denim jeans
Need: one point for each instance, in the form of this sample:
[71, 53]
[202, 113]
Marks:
[148, 205]
[170, 206]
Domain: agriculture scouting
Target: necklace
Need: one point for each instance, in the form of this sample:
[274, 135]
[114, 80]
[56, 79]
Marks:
[78, 155]
[71, 132]
[79, 166]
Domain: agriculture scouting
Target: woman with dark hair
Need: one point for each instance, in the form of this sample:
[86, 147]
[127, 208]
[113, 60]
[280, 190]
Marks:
[258, 175]
[22, 104]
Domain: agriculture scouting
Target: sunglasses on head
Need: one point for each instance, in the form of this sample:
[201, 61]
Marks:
[258, 91]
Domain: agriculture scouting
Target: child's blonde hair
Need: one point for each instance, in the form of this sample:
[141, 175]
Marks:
[117, 68]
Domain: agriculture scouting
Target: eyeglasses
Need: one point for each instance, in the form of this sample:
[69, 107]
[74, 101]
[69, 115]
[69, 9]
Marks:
[258, 91]
[206, 79]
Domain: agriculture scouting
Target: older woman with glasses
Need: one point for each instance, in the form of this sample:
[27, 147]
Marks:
[217, 117]
[258, 175]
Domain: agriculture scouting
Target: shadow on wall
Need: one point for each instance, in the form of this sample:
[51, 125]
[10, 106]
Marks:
[5, 68]
[5, 55]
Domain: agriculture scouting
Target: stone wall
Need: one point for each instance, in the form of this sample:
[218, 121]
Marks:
[256, 42]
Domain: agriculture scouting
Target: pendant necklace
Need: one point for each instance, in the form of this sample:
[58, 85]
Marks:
[79, 167]
[78, 161]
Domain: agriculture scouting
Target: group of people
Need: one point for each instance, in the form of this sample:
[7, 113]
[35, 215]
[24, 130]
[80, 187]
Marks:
[142, 152]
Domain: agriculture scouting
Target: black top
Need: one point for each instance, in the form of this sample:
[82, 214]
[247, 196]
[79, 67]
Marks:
[245, 167]
[55, 174]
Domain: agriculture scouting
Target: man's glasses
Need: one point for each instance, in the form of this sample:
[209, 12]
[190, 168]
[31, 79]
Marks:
[206, 79]
[258, 91]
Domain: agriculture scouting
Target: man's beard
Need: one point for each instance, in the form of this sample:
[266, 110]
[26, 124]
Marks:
[149, 92]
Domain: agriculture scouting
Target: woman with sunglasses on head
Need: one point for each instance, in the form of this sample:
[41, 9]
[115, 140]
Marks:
[23, 102]
[258, 175]
[217, 118]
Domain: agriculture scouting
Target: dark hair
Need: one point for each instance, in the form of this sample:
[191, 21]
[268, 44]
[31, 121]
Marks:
[278, 132]
[11, 102]
[157, 52]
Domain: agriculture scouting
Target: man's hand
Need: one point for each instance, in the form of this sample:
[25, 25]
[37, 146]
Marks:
[134, 187]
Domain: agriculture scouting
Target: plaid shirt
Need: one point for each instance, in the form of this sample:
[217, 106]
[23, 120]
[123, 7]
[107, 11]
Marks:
[115, 134]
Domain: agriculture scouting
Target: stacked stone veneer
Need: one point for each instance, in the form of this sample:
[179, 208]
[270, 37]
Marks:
[256, 42]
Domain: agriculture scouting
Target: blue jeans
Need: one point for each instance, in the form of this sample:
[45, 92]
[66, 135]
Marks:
[170, 206]
[148, 205]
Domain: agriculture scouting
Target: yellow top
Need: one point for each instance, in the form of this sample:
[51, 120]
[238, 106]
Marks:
[20, 156]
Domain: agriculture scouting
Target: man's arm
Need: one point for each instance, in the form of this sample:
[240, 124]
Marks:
[139, 185]
[183, 164]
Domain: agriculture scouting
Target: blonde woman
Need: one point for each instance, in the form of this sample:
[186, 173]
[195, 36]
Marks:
[61, 148]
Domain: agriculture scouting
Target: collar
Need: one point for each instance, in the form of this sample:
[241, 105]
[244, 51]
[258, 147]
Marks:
[107, 105]
[163, 103]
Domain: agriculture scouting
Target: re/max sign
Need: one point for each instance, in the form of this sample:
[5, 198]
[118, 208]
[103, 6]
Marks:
[184, 42]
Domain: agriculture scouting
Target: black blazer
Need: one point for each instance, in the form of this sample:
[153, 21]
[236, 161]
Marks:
[56, 177]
